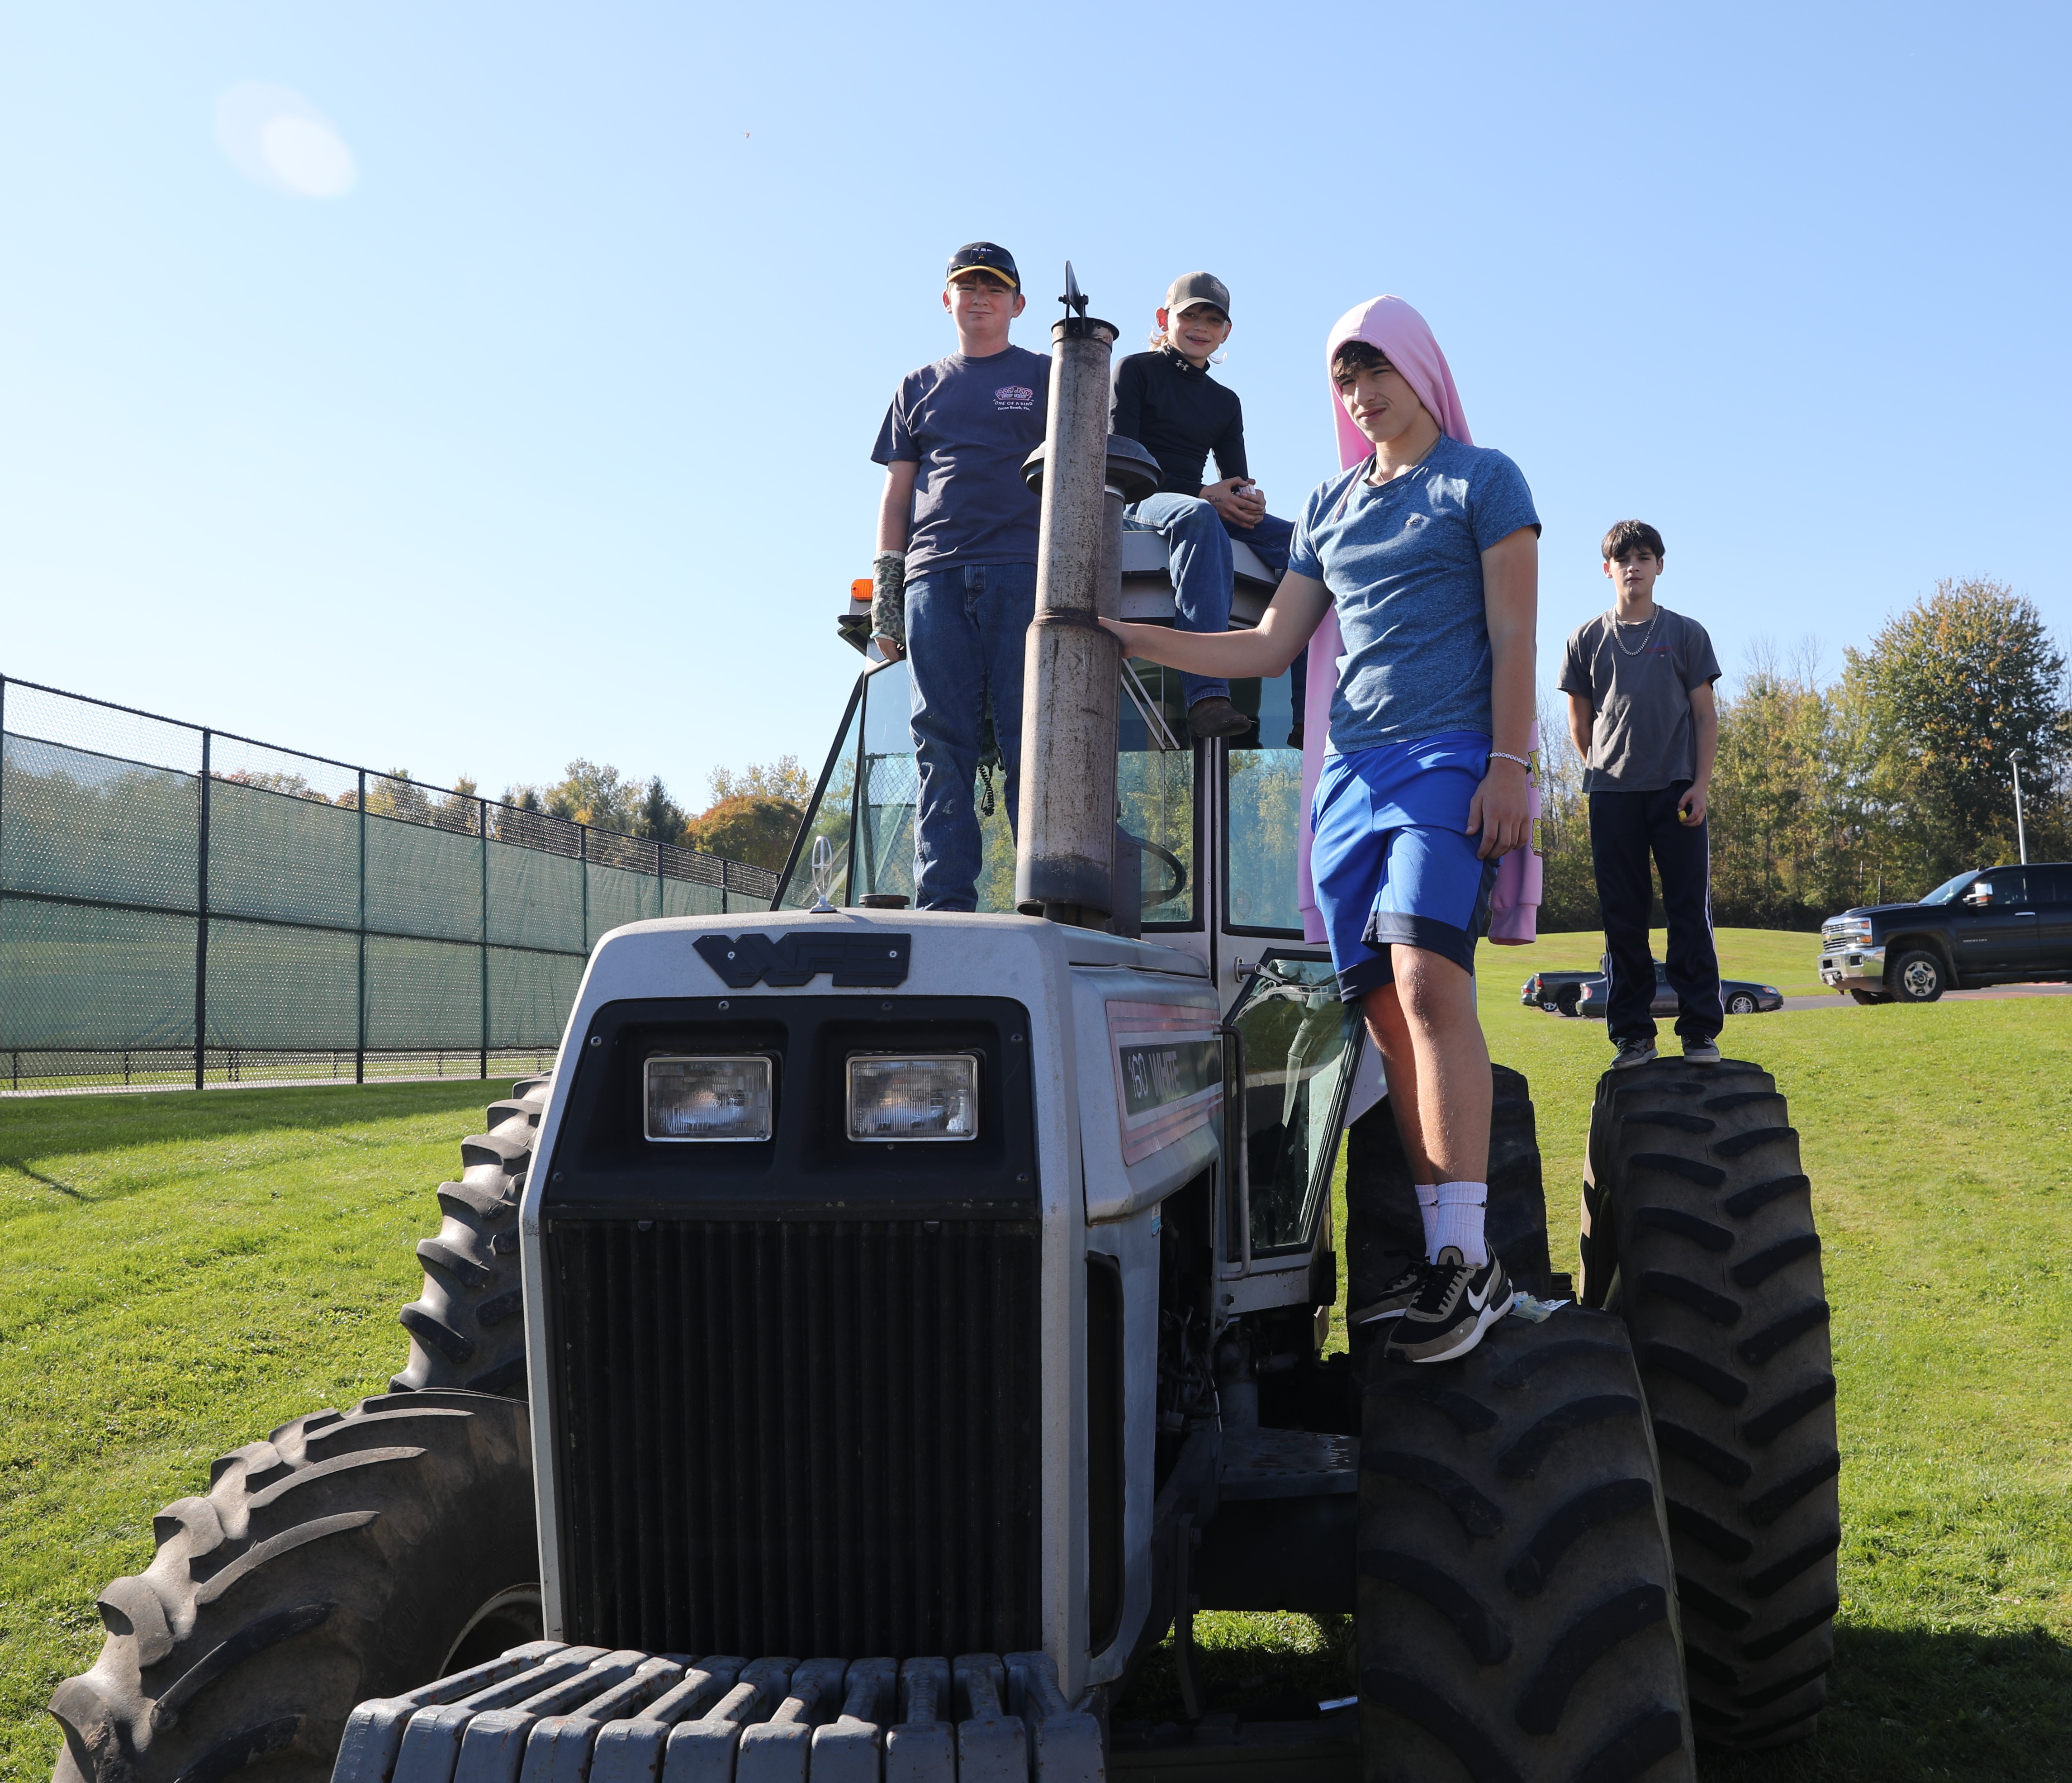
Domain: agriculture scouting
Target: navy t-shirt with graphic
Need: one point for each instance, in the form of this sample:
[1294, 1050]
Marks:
[968, 423]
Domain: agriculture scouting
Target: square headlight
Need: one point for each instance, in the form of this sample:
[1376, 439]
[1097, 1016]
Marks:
[933, 1096]
[709, 1096]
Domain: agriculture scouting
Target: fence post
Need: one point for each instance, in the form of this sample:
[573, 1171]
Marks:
[201, 924]
[583, 854]
[725, 900]
[483, 805]
[360, 999]
[661, 891]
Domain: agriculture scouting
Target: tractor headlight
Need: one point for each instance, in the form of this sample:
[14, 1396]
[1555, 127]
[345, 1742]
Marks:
[708, 1096]
[930, 1098]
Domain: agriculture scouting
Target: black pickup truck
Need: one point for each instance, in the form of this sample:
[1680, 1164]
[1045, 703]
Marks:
[1989, 925]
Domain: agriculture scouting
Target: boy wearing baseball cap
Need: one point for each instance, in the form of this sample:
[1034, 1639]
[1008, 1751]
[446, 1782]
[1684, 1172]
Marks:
[1642, 715]
[955, 569]
[1166, 400]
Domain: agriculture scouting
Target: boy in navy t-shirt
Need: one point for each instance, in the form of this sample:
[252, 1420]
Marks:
[1429, 551]
[955, 569]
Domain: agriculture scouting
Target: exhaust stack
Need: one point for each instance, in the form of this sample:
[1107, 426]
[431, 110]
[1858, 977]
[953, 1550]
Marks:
[1064, 863]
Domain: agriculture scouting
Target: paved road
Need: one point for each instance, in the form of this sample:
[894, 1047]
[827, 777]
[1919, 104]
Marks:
[1830, 999]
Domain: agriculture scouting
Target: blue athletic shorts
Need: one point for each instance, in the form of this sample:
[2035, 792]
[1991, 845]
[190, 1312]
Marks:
[1392, 861]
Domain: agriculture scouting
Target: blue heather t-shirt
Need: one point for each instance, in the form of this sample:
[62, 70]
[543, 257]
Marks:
[968, 423]
[1404, 566]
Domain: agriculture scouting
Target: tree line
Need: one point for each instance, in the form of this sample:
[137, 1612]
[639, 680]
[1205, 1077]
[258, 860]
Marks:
[1875, 786]
[749, 816]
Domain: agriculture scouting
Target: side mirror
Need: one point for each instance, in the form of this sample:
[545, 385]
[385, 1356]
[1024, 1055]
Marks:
[1979, 896]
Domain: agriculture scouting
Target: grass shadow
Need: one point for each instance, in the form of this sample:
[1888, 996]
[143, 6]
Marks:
[1909, 1703]
[27, 1169]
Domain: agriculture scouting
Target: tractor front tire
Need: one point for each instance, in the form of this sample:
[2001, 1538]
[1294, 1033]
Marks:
[344, 1558]
[1517, 1605]
[1714, 1265]
[467, 1326]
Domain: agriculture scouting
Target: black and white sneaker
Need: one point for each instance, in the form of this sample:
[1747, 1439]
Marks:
[1458, 1301]
[1633, 1053]
[1396, 1299]
[1701, 1052]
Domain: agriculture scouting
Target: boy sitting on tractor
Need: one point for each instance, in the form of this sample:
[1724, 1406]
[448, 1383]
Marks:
[1640, 713]
[1429, 549]
[956, 568]
[1167, 402]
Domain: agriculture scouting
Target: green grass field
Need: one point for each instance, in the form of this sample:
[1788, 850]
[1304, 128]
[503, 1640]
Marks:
[179, 1274]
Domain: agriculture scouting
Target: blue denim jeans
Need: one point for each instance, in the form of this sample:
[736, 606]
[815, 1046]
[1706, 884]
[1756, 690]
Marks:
[966, 632]
[1198, 542]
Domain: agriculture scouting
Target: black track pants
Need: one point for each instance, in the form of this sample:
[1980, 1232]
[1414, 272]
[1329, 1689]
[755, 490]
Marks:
[1625, 828]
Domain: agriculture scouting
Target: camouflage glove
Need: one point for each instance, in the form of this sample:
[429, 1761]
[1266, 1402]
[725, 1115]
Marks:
[888, 599]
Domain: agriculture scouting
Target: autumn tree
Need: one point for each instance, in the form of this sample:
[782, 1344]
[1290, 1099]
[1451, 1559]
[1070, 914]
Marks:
[750, 828]
[1948, 691]
[782, 779]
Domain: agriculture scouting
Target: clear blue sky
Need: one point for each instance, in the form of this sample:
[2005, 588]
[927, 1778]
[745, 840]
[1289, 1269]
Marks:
[547, 432]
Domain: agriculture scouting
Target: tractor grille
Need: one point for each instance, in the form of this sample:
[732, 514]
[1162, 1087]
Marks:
[804, 1437]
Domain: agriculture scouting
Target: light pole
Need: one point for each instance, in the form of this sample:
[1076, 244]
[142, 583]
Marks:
[2020, 834]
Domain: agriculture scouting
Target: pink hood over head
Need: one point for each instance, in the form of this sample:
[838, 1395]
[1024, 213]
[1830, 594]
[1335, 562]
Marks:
[1405, 338]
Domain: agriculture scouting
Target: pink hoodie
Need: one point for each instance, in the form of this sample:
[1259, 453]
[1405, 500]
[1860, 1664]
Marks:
[1401, 333]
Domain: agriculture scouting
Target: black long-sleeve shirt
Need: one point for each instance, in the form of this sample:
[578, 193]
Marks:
[1179, 415]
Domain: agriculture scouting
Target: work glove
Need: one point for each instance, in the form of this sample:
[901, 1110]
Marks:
[888, 596]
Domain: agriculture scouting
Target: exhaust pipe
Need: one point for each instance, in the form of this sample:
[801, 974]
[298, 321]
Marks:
[1064, 861]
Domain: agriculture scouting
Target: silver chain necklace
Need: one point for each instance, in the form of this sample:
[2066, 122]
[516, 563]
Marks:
[1647, 637]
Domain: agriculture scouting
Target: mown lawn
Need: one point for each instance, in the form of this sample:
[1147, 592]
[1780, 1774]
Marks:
[179, 1274]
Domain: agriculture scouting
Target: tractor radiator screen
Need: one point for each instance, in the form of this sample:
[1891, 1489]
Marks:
[804, 1437]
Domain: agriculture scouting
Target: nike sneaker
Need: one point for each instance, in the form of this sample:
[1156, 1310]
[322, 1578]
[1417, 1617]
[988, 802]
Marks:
[1633, 1053]
[1458, 1302]
[1396, 1299]
[1701, 1053]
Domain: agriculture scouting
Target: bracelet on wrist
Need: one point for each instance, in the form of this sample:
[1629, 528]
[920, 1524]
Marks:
[1505, 755]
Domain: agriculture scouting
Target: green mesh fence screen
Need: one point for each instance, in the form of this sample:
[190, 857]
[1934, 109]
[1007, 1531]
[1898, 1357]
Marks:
[351, 925]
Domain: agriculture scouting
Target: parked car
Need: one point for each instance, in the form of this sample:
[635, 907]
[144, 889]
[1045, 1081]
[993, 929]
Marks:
[1741, 996]
[1988, 925]
[1554, 992]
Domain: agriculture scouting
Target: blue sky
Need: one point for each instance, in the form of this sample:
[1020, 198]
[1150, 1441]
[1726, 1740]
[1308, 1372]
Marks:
[549, 436]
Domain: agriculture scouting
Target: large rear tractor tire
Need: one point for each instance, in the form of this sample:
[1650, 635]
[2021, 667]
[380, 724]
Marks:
[346, 1557]
[1517, 1605]
[1702, 1240]
[467, 1326]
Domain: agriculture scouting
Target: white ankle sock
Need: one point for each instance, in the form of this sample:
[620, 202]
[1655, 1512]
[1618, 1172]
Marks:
[1457, 1221]
[1428, 1211]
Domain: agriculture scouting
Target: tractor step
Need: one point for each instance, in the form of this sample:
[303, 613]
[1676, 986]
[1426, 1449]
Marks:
[1288, 1463]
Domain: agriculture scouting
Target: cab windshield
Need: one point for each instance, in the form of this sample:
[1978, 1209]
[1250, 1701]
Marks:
[1949, 889]
[864, 808]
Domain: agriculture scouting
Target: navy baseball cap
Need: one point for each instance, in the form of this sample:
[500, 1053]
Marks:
[984, 256]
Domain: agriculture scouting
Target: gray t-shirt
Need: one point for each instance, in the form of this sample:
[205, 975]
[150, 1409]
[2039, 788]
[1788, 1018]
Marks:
[1642, 739]
[968, 423]
[1403, 565]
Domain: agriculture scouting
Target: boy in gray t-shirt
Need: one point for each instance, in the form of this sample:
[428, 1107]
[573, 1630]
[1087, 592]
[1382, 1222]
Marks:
[1639, 681]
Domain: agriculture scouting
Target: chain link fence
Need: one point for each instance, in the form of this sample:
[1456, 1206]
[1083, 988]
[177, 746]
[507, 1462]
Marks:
[179, 905]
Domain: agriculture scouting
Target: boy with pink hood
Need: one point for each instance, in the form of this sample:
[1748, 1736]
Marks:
[1420, 562]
